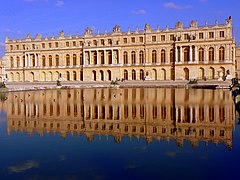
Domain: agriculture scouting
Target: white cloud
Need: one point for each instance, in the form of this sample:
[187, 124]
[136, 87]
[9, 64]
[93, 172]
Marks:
[175, 6]
[59, 3]
[23, 167]
[140, 11]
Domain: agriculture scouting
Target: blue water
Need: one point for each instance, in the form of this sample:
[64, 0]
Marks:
[51, 157]
[24, 156]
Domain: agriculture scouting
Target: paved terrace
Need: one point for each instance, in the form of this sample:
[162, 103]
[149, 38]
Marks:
[19, 86]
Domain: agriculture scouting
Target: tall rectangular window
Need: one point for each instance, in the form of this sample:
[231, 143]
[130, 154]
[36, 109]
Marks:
[125, 40]
[211, 34]
[163, 38]
[200, 35]
[171, 37]
[154, 38]
[221, 34]
[74, 43]
[133, 39]
[141, 39]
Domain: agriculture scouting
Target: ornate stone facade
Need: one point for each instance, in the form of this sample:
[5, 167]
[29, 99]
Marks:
[182, 53]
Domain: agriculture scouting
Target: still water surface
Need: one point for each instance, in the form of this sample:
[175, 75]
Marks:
[119, 134]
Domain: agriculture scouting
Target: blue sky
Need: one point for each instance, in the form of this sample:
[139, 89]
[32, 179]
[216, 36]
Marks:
[20, 17]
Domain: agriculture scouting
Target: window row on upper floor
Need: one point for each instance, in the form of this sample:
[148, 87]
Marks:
[124, 40]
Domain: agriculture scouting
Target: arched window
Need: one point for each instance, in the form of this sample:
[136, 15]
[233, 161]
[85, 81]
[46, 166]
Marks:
[81, 59]
[133, 74]
[186, 54]
[201, 55]
[133, 57]
[23, 59]
[141, 74]
[109, 55]
[171, 55]
[101, 57]
[57, 60]
[11, 61]
[43, 61]
[67, 60]
[125, 57]
[74, 59]
[109, 75]
[193, 53]
[163, 56]
[33, 60]
[125, 74]
[68, 76]
[221, 53]
[102, 75]
[94, 75]
[18, 62]
[74, 75]
[211, 54]
[81, 75]
[94, 57]
[50, 60]
[154, 56]
[141, 57]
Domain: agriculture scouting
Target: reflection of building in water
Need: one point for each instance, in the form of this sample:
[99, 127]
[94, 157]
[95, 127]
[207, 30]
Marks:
[194, 115]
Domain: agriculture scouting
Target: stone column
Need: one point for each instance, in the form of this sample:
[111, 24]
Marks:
[196, 54]
[97, 56]
[119, 58]
[191, 60]
[113, 58]
[216, 53]
[227, 52]
[206, 59]
[181, 55]
[36, 57]
[176, 54]
[105, 56]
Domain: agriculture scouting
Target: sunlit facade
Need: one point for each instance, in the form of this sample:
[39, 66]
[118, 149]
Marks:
[181, 53]
[153, 114]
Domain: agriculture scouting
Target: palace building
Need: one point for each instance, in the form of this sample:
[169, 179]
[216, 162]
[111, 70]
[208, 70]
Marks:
[181, 53]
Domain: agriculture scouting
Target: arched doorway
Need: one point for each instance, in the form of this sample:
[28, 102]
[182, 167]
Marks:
[81, 75]
[154, 75]
[201, 73]
[101, 75]
[74, 75]
[11, 78]
[141, 74]
[94, 75]
[133, 74]
[186, 73]
[109, 75]
[50, 76]
[17, 77]
[125, 74]
[186, 54]
[43, 76]
[68, 76]
[32, 77]
[163, 74]
[211, 73]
